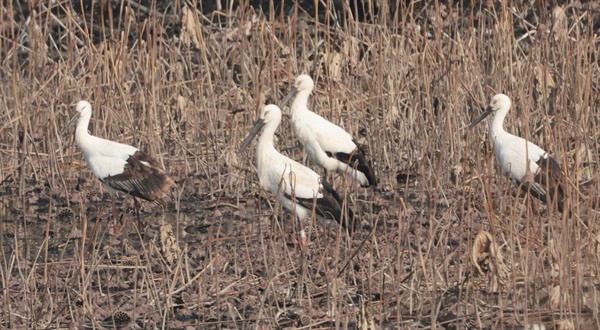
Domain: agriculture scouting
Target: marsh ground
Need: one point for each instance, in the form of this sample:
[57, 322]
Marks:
[185, 85]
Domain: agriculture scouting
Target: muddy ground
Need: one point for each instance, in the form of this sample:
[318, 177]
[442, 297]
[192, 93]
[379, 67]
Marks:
[445, 240]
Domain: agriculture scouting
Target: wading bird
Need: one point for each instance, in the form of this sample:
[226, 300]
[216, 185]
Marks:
[120, 166]
[524, 161]
[298, 186]
[326, 144]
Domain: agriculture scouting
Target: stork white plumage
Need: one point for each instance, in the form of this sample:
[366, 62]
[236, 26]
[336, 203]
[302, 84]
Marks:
[120, 166]
[298, 186]
[524, 161]
[326, 144]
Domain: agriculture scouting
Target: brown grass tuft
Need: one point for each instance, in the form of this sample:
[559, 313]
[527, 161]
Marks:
[183, 81]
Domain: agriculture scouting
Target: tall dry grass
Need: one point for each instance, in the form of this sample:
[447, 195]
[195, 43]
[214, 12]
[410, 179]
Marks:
[185, 87]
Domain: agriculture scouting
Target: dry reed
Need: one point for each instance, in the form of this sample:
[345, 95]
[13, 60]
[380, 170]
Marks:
[185, 87]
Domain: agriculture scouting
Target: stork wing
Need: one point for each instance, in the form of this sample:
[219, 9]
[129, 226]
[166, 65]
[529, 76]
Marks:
[142, 177]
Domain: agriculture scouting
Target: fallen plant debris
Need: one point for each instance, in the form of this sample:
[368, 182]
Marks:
[184, 82]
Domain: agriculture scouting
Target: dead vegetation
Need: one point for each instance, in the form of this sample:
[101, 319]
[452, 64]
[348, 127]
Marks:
[186, 86]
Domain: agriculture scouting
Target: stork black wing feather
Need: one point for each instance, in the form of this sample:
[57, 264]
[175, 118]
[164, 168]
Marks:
[356, 160]
[329, 206]
[548, 183]
[142, 177]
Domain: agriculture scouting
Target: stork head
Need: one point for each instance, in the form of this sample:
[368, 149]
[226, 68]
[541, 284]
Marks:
[270, 114]
[498, 102]
[302, 83]
[83, 110]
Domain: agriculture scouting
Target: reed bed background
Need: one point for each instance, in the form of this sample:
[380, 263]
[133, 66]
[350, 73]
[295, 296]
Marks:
[447, 240]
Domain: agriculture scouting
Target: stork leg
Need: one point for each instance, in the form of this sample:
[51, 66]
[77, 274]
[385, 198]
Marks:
[302, 234]
[330, 175]
[137, 205]
[532, 202]
[535, 205]
[114, 212]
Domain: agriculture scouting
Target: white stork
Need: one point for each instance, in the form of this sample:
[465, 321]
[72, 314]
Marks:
[522, 160]
[297, 185]
[326, 144]
[120, 166]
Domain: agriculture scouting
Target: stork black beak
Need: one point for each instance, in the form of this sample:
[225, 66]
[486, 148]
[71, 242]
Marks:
[288, 97]
[486, 113]
[70, 124]
[255, 129]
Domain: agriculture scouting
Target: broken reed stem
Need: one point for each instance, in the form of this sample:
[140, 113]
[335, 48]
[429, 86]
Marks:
[407, 85]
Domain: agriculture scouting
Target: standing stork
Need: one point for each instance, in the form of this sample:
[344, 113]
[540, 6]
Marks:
[120, 166]
[297, 186]
[524, 161]
[326, 144]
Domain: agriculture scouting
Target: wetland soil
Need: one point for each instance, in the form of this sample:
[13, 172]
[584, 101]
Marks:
[445, 241]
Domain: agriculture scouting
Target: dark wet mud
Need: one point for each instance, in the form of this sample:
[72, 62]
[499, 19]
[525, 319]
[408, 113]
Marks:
[444, 241]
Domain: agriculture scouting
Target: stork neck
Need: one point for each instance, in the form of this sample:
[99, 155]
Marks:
[300, 103]
[81, 132]
[496, 128]
[267, 136]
